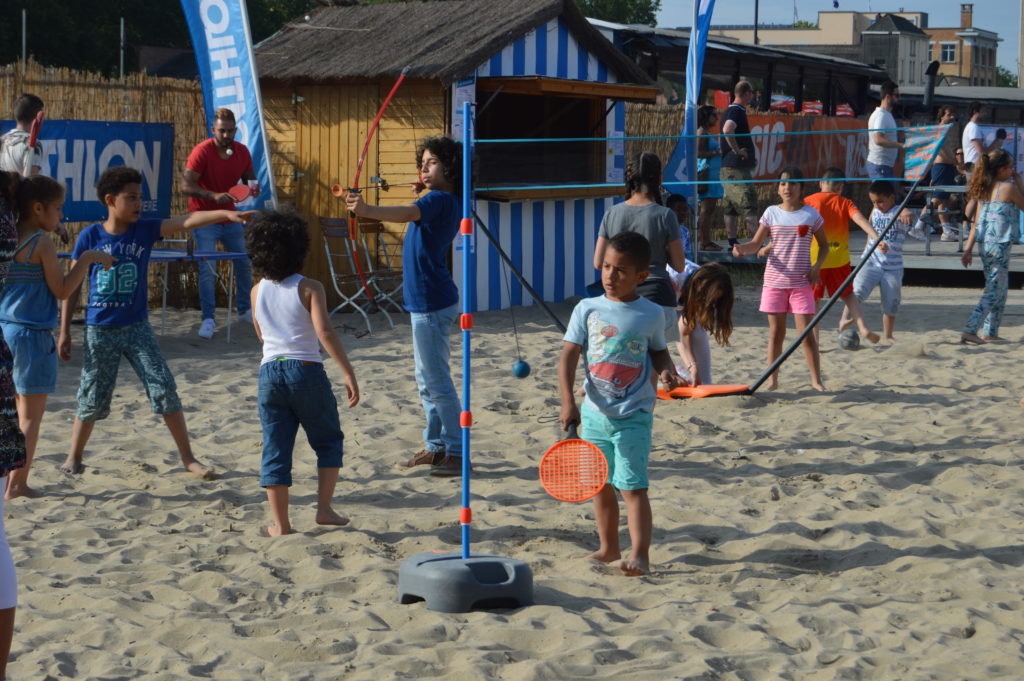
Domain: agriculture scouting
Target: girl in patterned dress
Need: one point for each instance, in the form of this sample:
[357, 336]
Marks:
[999, 189]
[12, 442]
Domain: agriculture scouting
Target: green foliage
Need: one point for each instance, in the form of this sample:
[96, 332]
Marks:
[1005, 77]
[804, 24]
[85, 34]
[622, 11]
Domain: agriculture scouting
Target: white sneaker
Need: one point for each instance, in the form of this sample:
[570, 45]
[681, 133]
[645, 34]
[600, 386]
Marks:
[916, 233]
[245, 317]
[206, 329]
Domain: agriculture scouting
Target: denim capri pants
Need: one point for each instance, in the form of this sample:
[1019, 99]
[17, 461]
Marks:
[294, 393]
[35, 359]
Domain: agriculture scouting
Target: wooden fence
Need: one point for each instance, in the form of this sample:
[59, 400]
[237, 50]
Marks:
[136, 98]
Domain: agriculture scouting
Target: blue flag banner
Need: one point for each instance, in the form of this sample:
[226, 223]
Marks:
[682, 166]
[227, 70]
[76, 152]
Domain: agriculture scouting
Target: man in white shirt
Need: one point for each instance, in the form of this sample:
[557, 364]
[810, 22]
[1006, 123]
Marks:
[973, 142]
[883, 147]
[14, 149]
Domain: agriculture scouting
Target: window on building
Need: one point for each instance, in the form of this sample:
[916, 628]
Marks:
[932, 54]
[948, 53]
[913, 48]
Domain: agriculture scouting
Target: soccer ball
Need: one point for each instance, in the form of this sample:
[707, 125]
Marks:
[849, 340]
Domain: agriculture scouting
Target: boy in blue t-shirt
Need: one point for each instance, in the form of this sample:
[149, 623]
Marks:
[623, 336]
[430, 296]
[117, 313]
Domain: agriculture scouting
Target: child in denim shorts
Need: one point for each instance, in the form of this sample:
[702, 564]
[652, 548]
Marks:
[623, 336]
[117, 314]
[291, 320]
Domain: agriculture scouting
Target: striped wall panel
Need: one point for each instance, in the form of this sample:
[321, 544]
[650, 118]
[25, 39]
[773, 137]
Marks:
[550, 50]
[550, 242]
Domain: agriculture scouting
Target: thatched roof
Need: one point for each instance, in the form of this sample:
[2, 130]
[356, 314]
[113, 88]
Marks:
[443, 39]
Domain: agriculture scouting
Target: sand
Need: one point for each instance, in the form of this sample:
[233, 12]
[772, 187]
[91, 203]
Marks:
[871, 532]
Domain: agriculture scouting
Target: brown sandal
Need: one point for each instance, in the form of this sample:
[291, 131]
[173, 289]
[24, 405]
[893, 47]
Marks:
[425, 457]
[710, 246]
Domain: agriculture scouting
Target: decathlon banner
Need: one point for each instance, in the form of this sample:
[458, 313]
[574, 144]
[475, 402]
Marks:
[76, 152]
[227, 70]
[921, 145]
[682, 165]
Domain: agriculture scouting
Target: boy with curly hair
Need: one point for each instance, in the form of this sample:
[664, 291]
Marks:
[291, 320]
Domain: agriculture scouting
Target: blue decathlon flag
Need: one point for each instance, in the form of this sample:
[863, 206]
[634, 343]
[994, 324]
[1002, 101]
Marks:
[75, 153]
[227, 70]
[682, 166]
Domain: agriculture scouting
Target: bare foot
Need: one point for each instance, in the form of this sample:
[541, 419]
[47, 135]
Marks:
[21, 491]
[274, 531]
[972, 338]
[819, 386]
[843, 326]
[773, 384]
[605, 556]
[634, 568]
[891, 340]
[1022, 401]
[872, 336]
[201, 471]
[72, 466]
[329, 517]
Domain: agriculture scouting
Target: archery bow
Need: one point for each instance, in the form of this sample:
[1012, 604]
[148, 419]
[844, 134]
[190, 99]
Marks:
[352, 222]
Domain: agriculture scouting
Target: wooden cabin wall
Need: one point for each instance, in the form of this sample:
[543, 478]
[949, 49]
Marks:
[317, 132]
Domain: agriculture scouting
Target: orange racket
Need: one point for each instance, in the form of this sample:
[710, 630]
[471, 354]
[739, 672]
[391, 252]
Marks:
[708, 390]
[573, 469]
[240, 192]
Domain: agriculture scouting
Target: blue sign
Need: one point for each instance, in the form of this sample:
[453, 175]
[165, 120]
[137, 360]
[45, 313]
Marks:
[227, 70]
[76, 152]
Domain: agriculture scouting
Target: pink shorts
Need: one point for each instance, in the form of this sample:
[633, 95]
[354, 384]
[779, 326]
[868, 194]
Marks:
[782, 300]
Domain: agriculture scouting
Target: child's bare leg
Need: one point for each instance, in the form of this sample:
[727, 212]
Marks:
[888, 326]
[638, 515]
[606, 513]
[277, 499]
[776, 337]
[853, 310]
[179, 431]
[810, 346]
[30, 416]
[80, 432]
[326, 479]
[730, 225]
[6, 636]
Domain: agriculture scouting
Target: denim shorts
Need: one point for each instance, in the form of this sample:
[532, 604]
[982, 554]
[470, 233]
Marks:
[879, 172]
[35, 359]
[625, 442]
[943, 175]
[889, 283]
[101, 355]
[294, 393]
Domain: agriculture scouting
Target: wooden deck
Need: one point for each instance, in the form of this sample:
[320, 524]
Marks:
[917, 255]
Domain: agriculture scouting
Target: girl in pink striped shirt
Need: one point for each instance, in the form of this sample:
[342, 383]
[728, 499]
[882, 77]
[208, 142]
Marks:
[789, 276]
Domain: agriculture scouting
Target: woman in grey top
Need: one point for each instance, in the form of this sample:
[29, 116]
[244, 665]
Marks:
[642, 212]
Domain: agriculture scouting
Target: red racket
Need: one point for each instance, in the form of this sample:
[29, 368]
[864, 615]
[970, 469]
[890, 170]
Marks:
[240, 192]
[708, 390]
[33, 137]
[573, 469]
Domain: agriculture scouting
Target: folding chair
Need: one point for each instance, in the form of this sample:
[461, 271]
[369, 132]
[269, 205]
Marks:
[381, 257]
[359, 292]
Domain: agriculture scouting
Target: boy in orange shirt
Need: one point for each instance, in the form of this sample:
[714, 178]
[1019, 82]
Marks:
[838, 212]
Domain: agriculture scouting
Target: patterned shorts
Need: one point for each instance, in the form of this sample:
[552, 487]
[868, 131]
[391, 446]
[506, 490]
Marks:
[12, 442]
[102, 352]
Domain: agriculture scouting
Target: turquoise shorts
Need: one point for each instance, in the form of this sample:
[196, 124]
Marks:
[35, 359]
[626, 444]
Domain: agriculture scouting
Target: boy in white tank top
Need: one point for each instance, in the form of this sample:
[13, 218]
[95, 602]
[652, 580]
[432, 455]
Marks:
[291, 320]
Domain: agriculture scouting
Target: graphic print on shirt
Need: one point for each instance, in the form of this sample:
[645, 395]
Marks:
[116, 287]
[616, 359]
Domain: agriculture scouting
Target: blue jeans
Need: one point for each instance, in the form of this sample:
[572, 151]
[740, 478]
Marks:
[294, 393]
[878, 172]
[431, 349]
[232, 236]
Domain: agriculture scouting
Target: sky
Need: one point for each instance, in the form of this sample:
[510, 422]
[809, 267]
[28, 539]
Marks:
[1000, 16]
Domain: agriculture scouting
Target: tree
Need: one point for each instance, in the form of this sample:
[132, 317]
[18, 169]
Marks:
[622, 11]
[1005, 78]
[804, 24]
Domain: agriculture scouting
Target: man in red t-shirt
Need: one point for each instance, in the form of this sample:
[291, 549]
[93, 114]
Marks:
[214, 166]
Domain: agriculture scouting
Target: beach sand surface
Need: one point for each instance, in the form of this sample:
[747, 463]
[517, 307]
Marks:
[872, 532]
